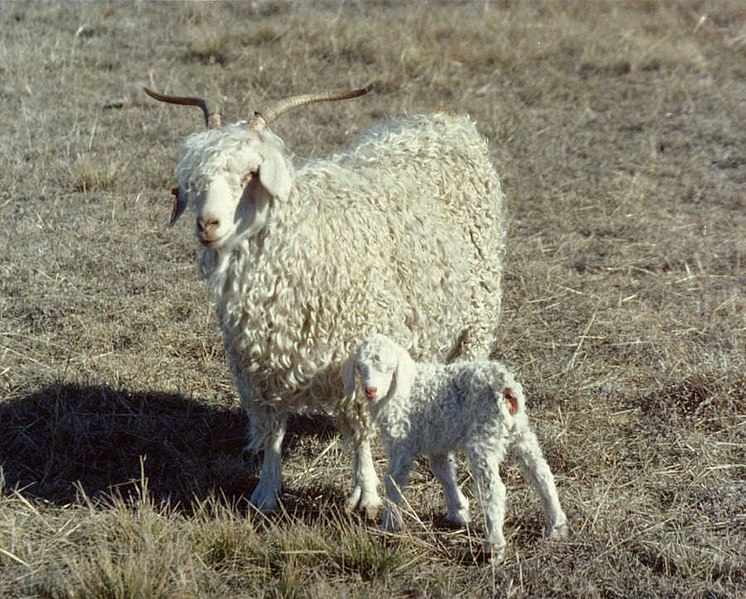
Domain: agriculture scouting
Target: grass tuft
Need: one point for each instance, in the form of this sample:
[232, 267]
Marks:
[89, 174]
[208, 48]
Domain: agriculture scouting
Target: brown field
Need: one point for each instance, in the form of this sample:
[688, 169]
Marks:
[619, 131]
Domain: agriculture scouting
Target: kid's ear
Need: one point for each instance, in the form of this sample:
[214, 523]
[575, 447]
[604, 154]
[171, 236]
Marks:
[348, 377]
[511, 401]
[404, 373]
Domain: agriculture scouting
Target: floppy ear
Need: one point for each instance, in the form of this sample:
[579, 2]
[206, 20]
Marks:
[348, 377]
[275, 173]
[403, 373]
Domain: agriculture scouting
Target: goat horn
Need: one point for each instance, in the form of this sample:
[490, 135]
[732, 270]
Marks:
[211, 120]
[271, 112]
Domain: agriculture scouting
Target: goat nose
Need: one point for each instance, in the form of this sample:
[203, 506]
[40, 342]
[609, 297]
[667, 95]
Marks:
[370, 392]
[208, 225]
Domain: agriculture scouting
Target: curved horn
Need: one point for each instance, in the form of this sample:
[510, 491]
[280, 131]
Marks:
[274, 110]
[211, 120]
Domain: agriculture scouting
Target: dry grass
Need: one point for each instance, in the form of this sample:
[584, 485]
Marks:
[618, 130]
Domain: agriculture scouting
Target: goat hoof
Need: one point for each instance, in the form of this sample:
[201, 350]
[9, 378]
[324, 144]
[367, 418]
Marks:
[371, 512]
[368, 504]
[493, 551]
[458, 520]
[559, 531]
[353, 500]
[371, 507]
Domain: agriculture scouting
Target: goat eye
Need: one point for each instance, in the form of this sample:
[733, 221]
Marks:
[248, 176]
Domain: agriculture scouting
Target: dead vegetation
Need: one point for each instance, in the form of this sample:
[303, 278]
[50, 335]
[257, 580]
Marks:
[618, 130]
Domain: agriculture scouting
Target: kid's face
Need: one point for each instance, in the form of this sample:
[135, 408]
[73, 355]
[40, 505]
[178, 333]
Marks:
[376, 376]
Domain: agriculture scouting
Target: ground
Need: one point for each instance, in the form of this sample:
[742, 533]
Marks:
[617, 129]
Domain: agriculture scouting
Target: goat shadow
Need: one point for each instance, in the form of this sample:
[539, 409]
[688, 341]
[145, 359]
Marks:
[102, 441]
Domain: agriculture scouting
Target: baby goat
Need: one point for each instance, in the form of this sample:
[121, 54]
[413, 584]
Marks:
[435, 410]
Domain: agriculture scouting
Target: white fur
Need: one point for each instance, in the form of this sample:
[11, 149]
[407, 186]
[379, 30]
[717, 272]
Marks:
[402, 232]
[439, 409]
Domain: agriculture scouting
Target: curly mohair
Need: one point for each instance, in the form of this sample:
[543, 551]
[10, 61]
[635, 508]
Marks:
[403, 232]
[438, 409]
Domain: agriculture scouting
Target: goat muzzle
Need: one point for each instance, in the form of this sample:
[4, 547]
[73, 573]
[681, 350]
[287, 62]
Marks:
[207, 227]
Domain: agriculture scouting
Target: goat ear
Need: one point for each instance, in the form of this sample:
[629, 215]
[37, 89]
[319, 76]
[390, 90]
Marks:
[348, 377]
[275, 174]
[404, 373]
